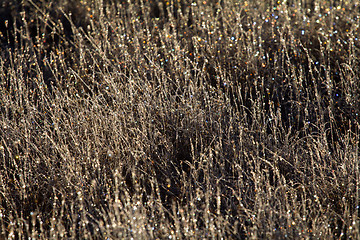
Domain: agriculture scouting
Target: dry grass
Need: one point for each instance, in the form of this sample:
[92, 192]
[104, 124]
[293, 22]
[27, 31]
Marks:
[179, 119]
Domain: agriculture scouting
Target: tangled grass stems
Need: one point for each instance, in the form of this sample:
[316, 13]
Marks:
[179, 119]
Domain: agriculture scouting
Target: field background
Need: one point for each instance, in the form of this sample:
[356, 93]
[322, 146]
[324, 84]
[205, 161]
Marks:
[179, 119]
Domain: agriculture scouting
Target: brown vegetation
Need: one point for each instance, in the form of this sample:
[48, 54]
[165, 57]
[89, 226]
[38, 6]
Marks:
[179, 119]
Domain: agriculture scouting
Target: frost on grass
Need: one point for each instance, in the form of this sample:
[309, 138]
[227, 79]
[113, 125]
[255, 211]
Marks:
[179, 119]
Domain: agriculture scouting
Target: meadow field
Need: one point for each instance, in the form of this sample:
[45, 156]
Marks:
[179, 119]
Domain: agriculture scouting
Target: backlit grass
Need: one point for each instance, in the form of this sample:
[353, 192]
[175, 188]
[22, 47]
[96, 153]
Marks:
[179, 119]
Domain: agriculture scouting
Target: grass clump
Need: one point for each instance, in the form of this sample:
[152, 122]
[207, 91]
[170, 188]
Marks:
[179, 119]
